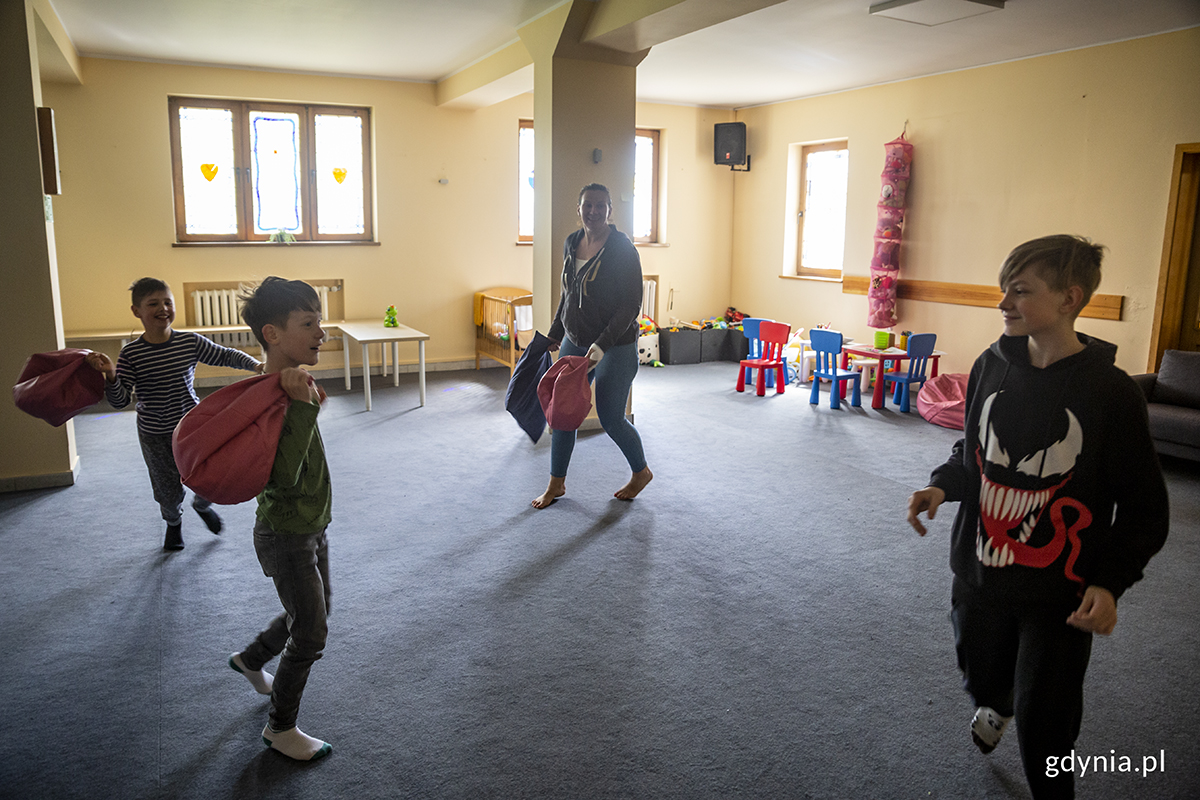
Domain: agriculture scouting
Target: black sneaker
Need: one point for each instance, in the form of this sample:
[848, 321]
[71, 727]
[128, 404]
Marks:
[211, 519]
[174, 540]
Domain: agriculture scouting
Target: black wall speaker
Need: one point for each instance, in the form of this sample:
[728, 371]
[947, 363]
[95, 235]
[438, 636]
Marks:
[729, 143]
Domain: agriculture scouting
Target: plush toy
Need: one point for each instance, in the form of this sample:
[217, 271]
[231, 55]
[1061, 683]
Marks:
[389, 318]
[500, 331]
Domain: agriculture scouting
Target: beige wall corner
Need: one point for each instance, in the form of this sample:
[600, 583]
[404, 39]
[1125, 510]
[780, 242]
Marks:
[58, 60]
[32, 323]
[633, 25]
[493, 79]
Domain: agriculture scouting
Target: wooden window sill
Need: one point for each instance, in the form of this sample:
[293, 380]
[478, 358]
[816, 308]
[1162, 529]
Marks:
[817, 278]
[354, 242]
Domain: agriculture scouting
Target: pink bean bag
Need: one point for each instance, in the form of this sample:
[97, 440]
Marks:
[943, 400]
[225, 447]
[565, 393]
[58, 385]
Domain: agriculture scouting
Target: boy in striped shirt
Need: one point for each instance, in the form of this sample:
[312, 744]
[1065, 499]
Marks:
[159, 367]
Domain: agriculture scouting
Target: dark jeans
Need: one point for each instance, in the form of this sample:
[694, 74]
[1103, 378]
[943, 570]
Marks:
[1024, 658]
[299, 565]
[164, 477]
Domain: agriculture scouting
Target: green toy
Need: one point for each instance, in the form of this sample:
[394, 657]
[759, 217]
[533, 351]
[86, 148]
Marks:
[389, 318]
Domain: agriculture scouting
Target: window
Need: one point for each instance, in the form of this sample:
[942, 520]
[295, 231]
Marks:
[244, 171]
[645, 184]
[525, 181]
[821, 209]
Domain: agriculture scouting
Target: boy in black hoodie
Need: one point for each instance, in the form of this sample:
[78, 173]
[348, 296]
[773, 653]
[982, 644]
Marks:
[1056, 440]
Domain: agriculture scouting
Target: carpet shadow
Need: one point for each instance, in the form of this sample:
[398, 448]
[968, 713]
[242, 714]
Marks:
[186, 777]
[536, 571]
[264, 772]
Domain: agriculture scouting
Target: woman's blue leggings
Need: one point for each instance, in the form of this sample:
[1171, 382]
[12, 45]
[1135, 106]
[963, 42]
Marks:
[613, 376]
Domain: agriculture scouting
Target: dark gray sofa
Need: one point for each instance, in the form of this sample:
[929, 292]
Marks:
[1173, 403]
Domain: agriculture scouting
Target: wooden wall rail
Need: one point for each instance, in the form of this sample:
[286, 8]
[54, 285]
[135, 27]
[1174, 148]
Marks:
[1101, 306]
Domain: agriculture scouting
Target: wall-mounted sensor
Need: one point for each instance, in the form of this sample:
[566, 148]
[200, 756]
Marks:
[597, 155]
[443, 181]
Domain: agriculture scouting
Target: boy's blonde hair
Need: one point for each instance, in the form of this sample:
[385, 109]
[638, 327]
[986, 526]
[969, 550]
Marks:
[1062, 261]
[273, 301]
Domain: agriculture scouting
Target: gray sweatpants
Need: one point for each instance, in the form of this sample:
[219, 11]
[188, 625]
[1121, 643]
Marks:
[164, 477]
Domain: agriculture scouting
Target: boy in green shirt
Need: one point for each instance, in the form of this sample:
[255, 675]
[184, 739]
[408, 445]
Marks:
[293, 512]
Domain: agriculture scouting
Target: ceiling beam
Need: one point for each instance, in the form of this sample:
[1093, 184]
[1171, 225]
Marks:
[58, 61]
[635, 25]
[505, 73]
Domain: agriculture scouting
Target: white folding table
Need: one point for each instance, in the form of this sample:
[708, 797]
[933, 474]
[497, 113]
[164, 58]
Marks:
[368, 332]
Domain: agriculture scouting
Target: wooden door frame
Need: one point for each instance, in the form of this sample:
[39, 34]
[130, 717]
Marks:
[1177, 248]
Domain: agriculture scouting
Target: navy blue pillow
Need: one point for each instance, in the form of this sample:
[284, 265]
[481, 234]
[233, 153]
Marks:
[521, 399]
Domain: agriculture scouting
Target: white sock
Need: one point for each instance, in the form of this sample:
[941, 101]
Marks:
[260, 680]
[987, 727]
[295, 743]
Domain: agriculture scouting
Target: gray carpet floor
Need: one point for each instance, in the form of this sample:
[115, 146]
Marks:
[760, 623]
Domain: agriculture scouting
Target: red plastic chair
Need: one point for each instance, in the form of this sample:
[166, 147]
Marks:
[774, 336]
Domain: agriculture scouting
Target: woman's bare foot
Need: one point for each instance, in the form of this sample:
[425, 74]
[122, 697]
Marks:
[556, 489]
[637, 482]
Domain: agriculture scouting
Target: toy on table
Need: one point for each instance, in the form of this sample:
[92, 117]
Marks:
[389, 318]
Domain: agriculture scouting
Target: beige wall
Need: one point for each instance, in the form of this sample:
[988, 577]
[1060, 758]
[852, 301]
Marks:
[696, 220]
[438, 243]
[1079, 142]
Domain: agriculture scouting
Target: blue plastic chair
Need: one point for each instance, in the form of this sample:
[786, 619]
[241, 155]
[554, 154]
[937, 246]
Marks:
[920, 348]
[828, 347]
[750, 328]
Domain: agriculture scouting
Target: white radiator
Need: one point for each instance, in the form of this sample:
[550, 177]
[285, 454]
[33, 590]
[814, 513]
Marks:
[221, 307]
[648, 290]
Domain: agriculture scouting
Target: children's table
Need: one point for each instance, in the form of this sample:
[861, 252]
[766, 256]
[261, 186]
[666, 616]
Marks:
[372, 331]
[889, 354]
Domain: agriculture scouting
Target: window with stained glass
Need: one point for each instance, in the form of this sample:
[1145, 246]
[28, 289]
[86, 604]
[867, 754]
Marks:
[249, 171]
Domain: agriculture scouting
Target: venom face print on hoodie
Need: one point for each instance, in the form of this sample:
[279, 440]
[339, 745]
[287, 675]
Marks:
[1056, 474]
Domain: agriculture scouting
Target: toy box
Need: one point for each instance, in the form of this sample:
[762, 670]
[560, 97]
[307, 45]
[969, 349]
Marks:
[680, 346]
[714, 345]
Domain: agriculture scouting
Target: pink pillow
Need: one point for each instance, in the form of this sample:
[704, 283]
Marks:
[565, 394]
[225, 447]
[56, 386]
[943, 400]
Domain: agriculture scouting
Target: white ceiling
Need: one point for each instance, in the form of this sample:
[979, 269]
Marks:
[795, 49]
